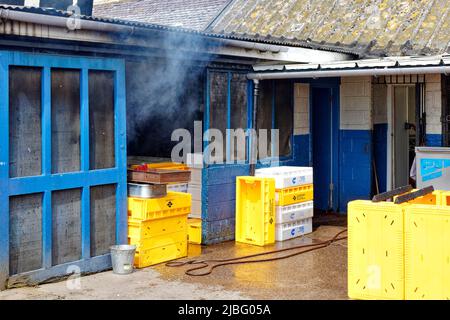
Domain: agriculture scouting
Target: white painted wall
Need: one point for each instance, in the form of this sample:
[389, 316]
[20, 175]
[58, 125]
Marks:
[301, 109]
[356, 103]
[433, 103]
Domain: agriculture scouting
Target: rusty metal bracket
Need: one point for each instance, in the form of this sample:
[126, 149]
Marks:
[390, 194]
[413, 195]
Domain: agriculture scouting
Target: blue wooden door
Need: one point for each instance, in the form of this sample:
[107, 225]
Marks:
[322, 138]
[62, 165]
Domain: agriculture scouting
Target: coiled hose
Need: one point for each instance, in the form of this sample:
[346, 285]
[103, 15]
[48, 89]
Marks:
[206, 264]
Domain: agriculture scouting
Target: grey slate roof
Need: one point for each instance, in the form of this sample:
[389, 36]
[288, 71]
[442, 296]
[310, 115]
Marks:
[191, 14]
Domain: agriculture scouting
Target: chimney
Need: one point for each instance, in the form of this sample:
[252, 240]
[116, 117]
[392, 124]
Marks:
[85, 5]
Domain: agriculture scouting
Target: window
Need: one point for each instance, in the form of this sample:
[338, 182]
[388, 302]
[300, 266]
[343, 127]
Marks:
[65, 120]
[275, 111]
[25, 131]
[228, 109]
[101, 119]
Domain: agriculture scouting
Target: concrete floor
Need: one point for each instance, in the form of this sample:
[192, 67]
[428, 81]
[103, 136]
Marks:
[320, 274]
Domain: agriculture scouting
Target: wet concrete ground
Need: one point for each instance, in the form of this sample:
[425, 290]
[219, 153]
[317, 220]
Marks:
[321, 274]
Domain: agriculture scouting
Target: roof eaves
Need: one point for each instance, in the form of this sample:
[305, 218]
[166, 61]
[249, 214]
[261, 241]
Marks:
[232, 36]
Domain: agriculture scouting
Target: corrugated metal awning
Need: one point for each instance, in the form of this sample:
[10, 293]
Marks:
[390, 65]
[355, 64]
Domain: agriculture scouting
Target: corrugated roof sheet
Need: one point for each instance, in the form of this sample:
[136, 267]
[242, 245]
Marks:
[153, 26]
[191, 14]
[383, 63]
[369, 27]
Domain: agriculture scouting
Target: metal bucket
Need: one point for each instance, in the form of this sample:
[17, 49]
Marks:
[122, 257]
[147, 191]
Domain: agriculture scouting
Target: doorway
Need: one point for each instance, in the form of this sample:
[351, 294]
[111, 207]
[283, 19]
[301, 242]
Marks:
[324, 148]
[404, 136]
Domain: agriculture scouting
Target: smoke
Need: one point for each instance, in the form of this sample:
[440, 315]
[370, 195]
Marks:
[165, 93]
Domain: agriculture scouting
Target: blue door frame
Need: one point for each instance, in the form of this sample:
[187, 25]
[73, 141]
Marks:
[334, 85]
[48, 182]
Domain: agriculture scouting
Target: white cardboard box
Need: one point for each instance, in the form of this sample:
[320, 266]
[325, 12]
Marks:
[196, 209]
[178, 187]
[196, 176]
[195, 191]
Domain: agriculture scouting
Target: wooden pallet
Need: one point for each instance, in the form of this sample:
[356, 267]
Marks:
[159, 176]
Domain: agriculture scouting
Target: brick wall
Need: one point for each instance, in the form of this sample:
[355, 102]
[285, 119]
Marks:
[356, 104]
[433, 104]
[301, 109]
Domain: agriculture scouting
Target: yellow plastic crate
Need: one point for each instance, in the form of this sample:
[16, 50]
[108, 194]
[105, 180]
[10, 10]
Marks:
[293, 195]
[445, 198]
[145, 258]
[255, 210]
[376, 250]
[164, 165]
[158, 241]
[427, 252]
[141, 230]
[195, 231]
[175, 203]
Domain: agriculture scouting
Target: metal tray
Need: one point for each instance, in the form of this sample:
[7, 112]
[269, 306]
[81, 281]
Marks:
[147, 191]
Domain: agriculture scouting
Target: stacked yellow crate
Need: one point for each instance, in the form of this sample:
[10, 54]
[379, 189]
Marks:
[255, 210]
[398, 251]
[158, 227]
[294, 200]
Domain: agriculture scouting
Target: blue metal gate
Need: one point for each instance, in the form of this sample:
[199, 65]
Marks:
[33, 239]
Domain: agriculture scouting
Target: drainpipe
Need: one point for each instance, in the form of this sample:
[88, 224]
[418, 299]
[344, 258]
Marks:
[349, 73]
[355, 72]
[64, 22]
[254, 136]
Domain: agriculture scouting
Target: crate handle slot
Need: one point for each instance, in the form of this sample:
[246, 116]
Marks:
[413, 195]
[390, 194]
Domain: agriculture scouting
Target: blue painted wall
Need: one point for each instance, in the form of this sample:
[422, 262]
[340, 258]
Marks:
[355, 166]
[433, 140]
[302, 150]
[380, 153]
[219, 202]
[48, 182]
